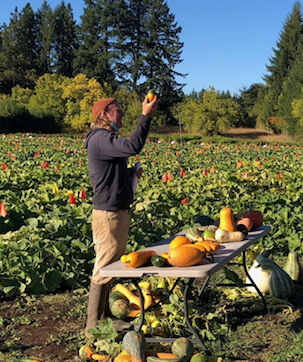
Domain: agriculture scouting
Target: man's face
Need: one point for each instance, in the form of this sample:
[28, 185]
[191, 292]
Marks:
[115, 114]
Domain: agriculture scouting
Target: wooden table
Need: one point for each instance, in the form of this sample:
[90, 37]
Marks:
[205, 269]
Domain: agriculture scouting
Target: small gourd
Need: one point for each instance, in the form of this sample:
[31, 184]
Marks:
[293, 266]
[158, 260]
[227, 219]
[135, 345]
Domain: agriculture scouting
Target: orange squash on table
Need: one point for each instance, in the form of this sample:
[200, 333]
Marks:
[184, 256]
[227, 220]
[137, 258]
[209, 245]
[195, 245]
[178, 241]
[246, 221]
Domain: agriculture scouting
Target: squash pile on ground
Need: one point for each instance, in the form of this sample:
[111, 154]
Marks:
[200, 241]
[87, 353]
[182, 350]
[125, 303]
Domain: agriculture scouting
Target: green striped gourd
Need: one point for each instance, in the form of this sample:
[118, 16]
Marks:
[280, 283]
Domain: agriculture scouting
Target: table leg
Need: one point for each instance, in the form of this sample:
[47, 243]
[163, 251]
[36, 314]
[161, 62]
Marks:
[142, 314]
[188, 322]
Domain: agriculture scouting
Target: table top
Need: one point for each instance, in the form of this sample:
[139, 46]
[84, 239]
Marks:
[205, 268]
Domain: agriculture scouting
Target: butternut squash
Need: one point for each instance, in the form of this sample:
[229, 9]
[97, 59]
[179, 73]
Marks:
[137, 258]
[224, 236]
[227, 219]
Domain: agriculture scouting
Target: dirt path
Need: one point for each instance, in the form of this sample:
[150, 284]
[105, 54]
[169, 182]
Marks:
[241, 133]
[255, 134]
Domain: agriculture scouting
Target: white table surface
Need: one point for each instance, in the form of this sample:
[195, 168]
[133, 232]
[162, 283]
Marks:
[205, 268]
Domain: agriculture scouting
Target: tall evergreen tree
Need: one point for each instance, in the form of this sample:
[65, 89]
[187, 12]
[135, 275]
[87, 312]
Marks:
[149, 47]
[248, 99]
[291, 90]
[65, 40]
[283, 59]
[163, 52]
[27, 44]
[19, 50]
[96, 37]
[45, 38]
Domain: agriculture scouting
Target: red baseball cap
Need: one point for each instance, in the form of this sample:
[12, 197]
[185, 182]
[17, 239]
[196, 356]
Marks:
[100, 105]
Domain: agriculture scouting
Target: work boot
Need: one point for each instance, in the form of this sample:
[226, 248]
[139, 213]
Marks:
[97, 300]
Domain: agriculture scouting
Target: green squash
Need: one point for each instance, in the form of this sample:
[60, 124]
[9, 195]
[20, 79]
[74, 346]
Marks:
[158, 260]
[116, 295]
[183, 347]
[120, 308]
[199, 357]
[293, 266]
[280, 283]
[135, 345]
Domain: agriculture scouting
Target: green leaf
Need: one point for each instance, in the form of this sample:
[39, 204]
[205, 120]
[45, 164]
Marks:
[52, 280]
[231, 275]
[104, 330]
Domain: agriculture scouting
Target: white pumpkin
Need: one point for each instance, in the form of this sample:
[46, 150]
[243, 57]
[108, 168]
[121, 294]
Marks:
[260, 277]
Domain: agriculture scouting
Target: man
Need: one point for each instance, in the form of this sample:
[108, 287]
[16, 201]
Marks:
[112, 192]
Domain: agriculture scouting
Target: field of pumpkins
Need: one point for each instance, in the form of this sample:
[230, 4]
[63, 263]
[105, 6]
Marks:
[45, 229]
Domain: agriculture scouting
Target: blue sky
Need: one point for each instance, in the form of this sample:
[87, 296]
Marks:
[227, 43]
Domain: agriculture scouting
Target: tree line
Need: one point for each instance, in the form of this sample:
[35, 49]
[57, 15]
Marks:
[52, 70]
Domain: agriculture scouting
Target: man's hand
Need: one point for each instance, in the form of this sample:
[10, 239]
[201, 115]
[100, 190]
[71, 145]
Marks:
[139, 173]
[149, 108]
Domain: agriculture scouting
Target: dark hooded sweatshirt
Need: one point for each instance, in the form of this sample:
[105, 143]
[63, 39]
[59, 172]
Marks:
[107, 164]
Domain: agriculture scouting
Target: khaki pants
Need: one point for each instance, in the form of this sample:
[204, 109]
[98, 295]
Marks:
[110, 231]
